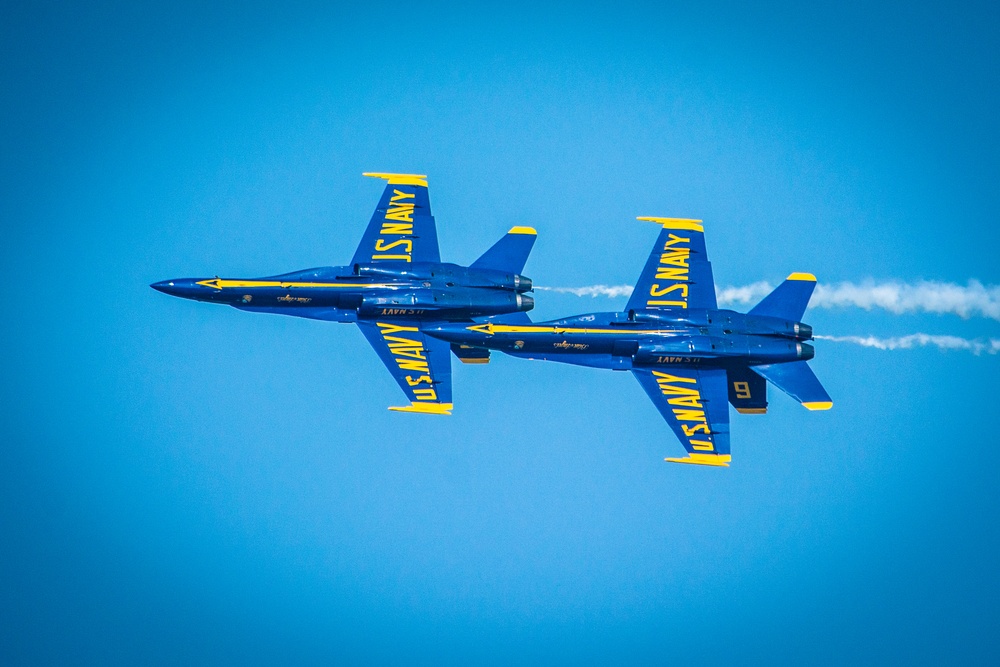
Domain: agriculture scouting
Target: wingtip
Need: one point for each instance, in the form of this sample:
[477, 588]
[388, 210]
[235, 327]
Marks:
[716, 460]
[675, 223]
[399, 179]
[522, 230]
[425, 408]
[818, 405]
[802, 276]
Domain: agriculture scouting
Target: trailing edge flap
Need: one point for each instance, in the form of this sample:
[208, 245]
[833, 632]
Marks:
[420, 364]
[510, 253]
[401, 228]
[747, 391]
[677, 274]
[798, 381]
[695, 404]
[470, 355]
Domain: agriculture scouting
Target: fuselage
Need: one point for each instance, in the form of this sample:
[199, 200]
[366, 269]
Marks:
[437, 291]
[701, 338]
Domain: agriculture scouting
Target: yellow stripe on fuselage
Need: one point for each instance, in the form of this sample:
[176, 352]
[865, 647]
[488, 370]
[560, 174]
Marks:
[219, 283]
[489, 329]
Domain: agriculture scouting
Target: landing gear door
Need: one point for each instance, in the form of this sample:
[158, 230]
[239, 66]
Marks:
[747, 391]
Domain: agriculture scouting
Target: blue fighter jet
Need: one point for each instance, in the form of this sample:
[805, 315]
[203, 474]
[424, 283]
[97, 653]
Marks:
[395, 281]
[691, 358]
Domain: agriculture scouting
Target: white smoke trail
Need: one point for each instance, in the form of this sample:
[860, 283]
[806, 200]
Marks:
[976, 346]
[974, 298]
[611, 291]
[971, 299]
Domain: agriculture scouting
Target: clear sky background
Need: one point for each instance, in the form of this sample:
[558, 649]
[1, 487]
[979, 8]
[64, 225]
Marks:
[185, 483]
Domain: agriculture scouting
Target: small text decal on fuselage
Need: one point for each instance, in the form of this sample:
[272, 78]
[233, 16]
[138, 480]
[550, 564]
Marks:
[401, 311]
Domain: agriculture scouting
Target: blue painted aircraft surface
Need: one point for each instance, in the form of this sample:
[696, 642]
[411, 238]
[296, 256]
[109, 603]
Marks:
[395, 281]
[692, 358]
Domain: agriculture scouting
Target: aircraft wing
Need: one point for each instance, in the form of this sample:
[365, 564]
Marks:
[677, 274]
[696, 405]
[420, 364]
[402, 227]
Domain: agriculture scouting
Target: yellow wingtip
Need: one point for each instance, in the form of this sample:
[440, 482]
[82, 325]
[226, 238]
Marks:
[399, 179]
[818, 405]
[675, 223]
[522, 230]
[802, 276]
[425, 408]
[717, 460]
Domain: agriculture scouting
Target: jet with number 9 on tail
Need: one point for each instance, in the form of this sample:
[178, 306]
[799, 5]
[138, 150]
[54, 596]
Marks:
[395, 281]
[692, 358]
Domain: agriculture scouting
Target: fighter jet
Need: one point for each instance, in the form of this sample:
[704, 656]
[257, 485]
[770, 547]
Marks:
[395, 280]
[691, 357]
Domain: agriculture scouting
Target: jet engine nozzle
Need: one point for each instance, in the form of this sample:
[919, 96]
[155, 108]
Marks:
[522, 283]
[805, 351]
[525, 302]
[803, 331]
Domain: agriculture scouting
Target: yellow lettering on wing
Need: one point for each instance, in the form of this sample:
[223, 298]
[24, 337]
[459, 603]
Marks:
[677, 257]
[676, 287]
[408, 365]
[402, 212]
[398, 222]
[689, 415]
[393, 328]
[409, 355]
[667, 377]
[673, 266]
[394, 228]
[381, 245]
[689, 401]
[671, 274]
[412, 352]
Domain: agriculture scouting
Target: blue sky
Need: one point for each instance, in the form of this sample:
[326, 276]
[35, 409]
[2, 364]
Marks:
[186, 483]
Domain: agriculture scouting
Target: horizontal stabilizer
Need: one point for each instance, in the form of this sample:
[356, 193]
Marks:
[798, 381]
[471, 355]
[789, 300]
[510, 253]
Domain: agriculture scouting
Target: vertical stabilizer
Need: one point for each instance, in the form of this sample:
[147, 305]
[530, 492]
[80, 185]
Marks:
[510, 253]
[789, 300]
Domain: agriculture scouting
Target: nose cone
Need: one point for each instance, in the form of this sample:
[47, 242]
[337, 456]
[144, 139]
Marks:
[186, 288]
[165, 286]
